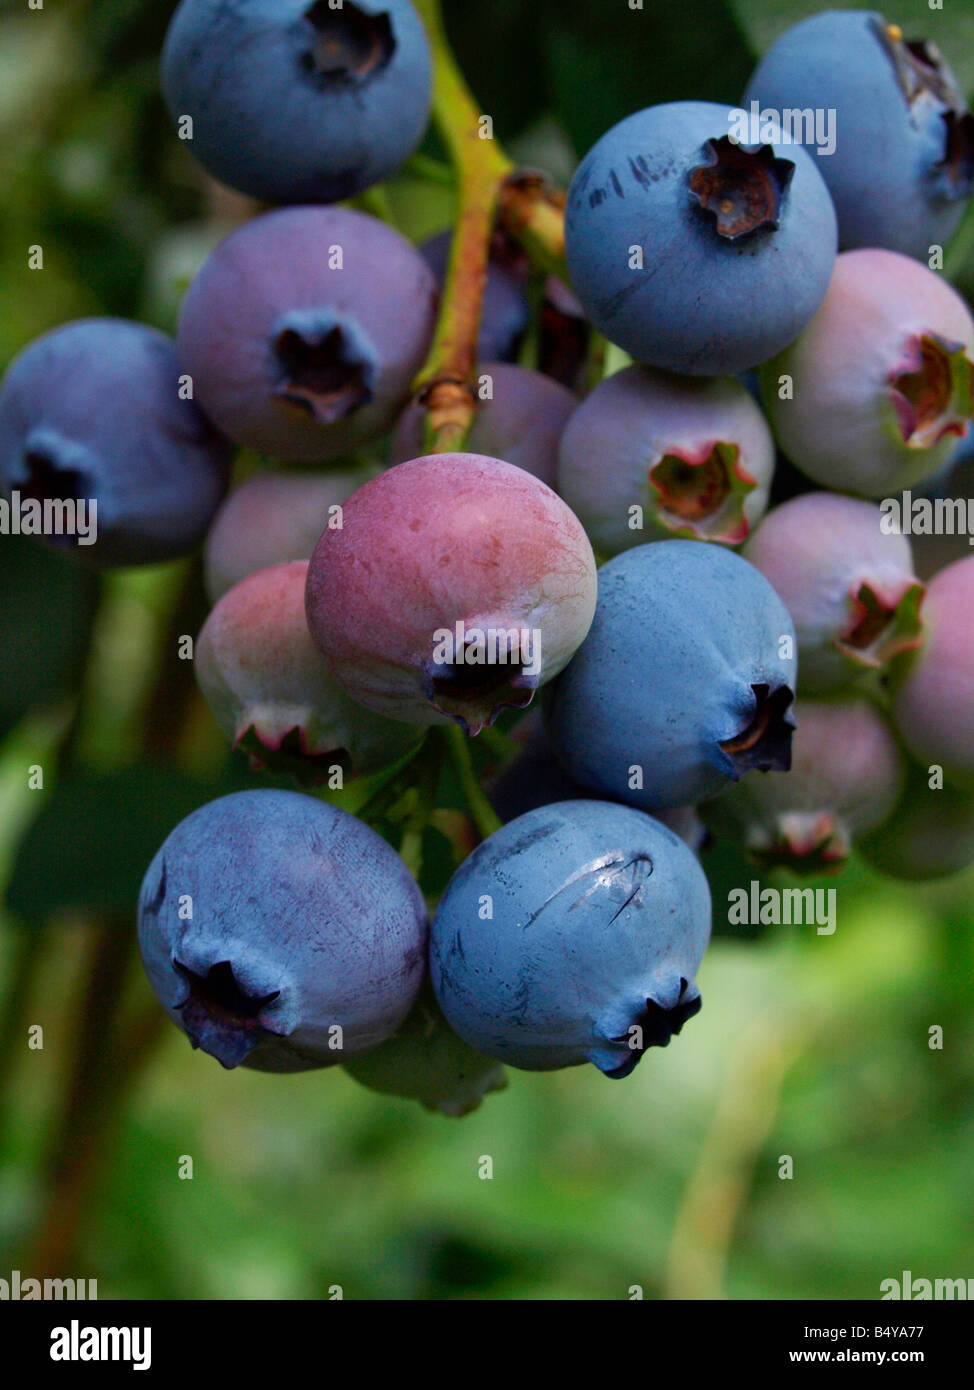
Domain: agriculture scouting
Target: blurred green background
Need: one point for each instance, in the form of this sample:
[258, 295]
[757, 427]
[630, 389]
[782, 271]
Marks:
[813, 1047]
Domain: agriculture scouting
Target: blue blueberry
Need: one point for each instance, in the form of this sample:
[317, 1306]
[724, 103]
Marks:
[903, 163]
[281, 933]
[299, 101]
[94, 412]
[304, 329]
[684, 682]
[692, 252]
[572, 934]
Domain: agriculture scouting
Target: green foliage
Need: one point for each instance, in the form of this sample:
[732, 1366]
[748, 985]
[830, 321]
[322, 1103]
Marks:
[89, 848]
[46, 615]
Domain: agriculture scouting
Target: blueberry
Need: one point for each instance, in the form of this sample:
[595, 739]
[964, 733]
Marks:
[929, 835]
[281, 933]
[299, 101]
[520, 422]
[457, 586]
[684, 682]
[505, 312]
[269, 688]
[95, 412]
[426, 1061]
[846, 775]
[678, 455]
[849, 586]
[572, 935]
[694, 253]
[934, 698]
[304, 329]
[874, 393]
[902, 165]
[273, 517]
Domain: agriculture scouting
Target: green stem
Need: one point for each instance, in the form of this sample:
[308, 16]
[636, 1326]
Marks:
[960, 252]
[482, 813]
[75, 1154]
[501, 746]
[429, 170]
[445, 383]
[25, 970]
[426, 787]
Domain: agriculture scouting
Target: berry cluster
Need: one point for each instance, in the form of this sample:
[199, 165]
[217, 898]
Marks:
[473, 518]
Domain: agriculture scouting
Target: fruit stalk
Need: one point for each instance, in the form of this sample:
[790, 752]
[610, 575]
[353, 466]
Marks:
[482, 813]
[489, 188]
[444, 384]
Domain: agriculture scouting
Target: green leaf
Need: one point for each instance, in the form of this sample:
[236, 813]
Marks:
[606, 61]
[48, 608]
[90, 846]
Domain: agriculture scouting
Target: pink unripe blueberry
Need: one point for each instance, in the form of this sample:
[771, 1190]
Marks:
[873, 394]
[269, 687]
[521, 421]
[273, 517]
[457, 586]
[934, 703]
[846, 774]
[649, 454]
[847, 583]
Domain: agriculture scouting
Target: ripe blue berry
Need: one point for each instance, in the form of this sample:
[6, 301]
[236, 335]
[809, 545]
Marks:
[269, 688]
[902, 165]
[273, 517]
[677, 455]
[849, 586]
[846, 775]
[457, 586]
[684, 682]
[520, 422]
[281, 933]
[299, 101]
[96, 412]
[874, 393]
[426, 1061]
[572, 935]
[694, 253]
[304, 329]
